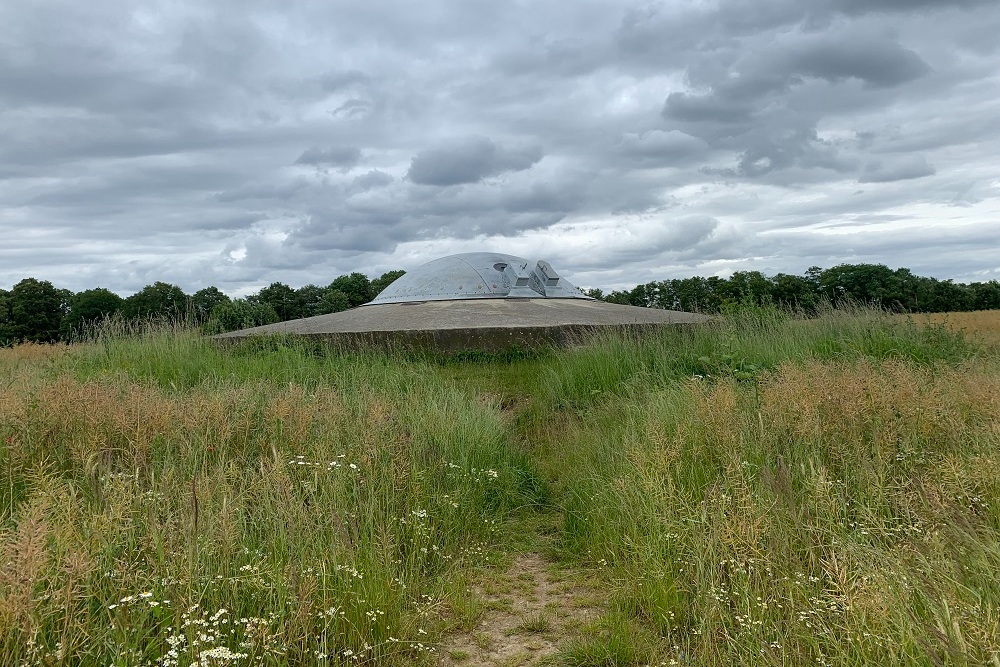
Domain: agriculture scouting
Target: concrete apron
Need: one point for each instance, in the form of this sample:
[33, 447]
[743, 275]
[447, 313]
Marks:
[491, 325]
[493, 339]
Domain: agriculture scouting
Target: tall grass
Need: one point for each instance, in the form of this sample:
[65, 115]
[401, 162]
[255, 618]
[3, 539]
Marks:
[166, 503]
[742, 345]
[760, 490]
[825, 495]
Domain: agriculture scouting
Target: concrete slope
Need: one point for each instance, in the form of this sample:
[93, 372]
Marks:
[479, 323]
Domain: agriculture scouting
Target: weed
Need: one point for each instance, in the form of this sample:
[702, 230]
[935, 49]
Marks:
[534, 625]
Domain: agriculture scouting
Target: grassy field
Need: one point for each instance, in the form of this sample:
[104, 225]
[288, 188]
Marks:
[980, 325]
[762, 490]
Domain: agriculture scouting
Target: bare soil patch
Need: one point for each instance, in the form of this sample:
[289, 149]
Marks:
[528, 611]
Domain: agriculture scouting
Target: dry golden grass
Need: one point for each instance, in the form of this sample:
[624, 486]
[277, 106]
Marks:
[29, 352]
[980, 325]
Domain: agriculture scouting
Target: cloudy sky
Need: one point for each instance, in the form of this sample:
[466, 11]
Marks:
[237, 143]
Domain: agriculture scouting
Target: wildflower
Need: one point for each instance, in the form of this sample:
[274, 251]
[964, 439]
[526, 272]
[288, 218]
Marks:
[218, 653]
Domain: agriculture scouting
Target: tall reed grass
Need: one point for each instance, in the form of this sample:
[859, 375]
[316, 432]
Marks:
[166, 503]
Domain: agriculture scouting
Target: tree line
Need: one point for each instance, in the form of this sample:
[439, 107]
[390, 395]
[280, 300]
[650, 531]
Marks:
[896, 290]
[35, 310]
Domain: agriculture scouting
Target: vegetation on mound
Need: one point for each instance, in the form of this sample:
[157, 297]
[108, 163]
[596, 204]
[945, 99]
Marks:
[762, 490]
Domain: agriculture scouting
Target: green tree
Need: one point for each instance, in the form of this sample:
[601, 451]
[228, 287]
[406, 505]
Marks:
[34, 311]
[157, 300]
[239, 314]
[6, 335]
[939, 296]
[874, 284]
[660, 294]
[204, 301]
[281, 298]
[640, 295]
[334, 301]
[621, 297]
[794, 292]
[747, 287]
[986, 296]
[355, 286]
[309, 300]
[697, 294]
[384, 280]
[90, 306]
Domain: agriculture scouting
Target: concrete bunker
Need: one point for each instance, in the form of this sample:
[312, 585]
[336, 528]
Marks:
[473, 301]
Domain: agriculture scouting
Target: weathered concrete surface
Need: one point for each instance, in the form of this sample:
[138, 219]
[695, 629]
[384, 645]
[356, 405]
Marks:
[486, 324]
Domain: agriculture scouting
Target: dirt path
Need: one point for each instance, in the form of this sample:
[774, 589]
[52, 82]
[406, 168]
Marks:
[528, 612]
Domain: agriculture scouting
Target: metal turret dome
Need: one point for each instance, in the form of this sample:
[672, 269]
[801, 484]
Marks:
[479, 275]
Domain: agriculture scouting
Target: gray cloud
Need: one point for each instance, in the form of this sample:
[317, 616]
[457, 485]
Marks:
[238, 144]
[344, 157]
[866, 6]
[373, 179]
[873, 59]
[469, 160]
[659, 144]
[336, 80]
[705, 108]
[899, 170]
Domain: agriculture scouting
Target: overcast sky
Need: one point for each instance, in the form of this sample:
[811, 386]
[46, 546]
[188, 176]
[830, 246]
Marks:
[237, 143]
